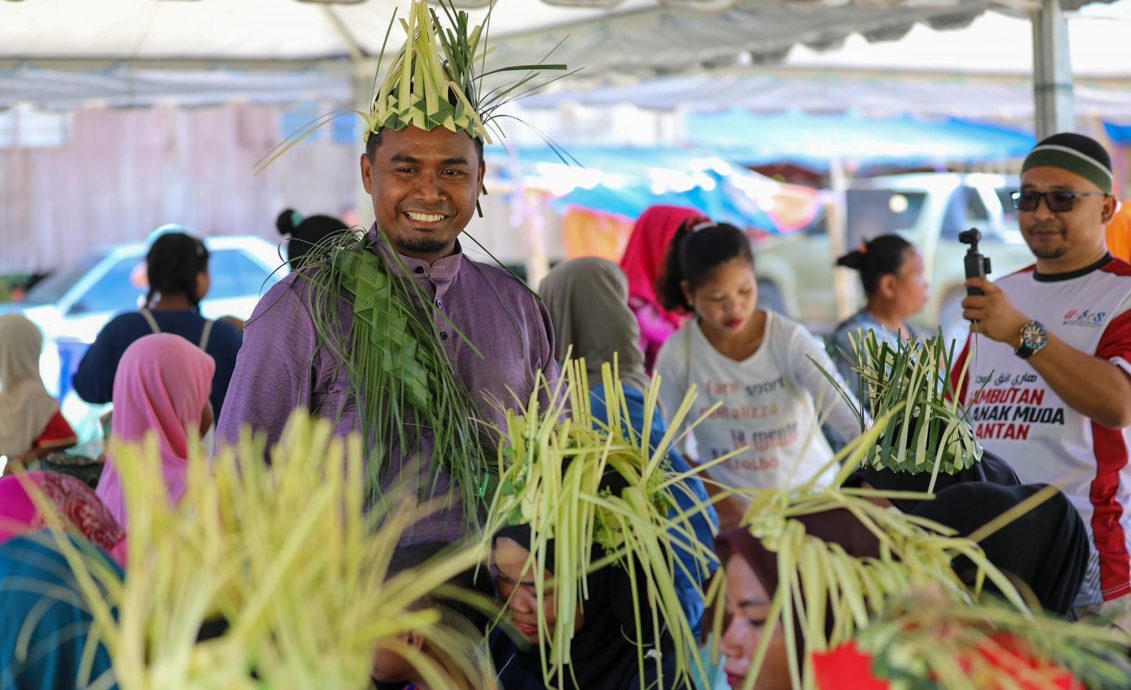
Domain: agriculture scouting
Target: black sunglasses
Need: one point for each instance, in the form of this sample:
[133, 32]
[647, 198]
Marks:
[1058, 201]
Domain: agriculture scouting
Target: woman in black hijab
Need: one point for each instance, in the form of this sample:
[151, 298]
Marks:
[1046, 548]
[606, 648]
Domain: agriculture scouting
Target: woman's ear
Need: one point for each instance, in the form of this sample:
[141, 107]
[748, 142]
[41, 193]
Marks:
[687, 294]
[887, 285]
[414, 639]
[203, 285]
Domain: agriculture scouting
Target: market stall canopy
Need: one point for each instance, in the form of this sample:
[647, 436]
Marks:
[634, 36]
[812, 141]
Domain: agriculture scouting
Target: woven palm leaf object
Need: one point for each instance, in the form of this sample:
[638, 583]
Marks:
[374, 319]
[553, 462]
[285, 557]
[926, 642]
[826, 595]
[437, 77]
[440, 77]
[932, 434]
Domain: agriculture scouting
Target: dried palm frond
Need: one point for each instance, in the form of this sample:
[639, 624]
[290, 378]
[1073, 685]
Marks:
[286, 557]
[932, 434]
[401, 379]
[553, 462]
[931, 642]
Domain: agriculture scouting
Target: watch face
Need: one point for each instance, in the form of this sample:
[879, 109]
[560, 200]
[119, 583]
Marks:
[1034, 336]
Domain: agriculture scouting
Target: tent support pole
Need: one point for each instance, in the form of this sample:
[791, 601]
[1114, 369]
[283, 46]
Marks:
[838, 237]
[1052, 71]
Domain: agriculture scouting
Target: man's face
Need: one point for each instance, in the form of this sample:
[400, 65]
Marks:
[1067, 238]
[424, 187]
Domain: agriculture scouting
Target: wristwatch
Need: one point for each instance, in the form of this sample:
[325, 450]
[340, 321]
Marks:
[1034, 337]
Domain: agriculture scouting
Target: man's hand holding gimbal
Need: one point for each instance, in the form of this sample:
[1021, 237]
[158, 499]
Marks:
[994, 315]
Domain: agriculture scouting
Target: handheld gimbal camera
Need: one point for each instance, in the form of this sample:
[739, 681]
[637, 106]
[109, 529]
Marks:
[977, 265]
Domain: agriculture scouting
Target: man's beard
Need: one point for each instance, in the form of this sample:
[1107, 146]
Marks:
[1045, 252]
[419, 245]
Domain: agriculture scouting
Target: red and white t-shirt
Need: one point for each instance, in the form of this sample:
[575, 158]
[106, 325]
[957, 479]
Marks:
[1015, 414]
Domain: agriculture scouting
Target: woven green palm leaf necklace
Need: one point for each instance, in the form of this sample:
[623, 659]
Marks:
[401, 379]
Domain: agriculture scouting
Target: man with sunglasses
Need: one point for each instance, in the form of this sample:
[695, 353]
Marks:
[1049, 357]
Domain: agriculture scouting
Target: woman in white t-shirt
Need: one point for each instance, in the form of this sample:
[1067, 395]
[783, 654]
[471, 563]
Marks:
[764, 368]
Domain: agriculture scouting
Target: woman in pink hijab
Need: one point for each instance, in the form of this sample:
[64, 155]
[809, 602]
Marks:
[76, 506]
[643, 263]
[162, 386]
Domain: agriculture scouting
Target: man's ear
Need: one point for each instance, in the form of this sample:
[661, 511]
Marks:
[1111, 205]
[367, 173]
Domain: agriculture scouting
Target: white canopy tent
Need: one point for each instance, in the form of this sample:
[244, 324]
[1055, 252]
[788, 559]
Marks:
[632, 40]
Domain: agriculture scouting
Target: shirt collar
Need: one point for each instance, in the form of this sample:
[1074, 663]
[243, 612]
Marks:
[440, 272]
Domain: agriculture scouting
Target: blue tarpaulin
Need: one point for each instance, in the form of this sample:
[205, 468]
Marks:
[1119, 134]
[813, 141]
[627, 180]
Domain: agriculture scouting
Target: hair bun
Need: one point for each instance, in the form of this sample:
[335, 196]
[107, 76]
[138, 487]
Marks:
[853, 259]
[287, 221]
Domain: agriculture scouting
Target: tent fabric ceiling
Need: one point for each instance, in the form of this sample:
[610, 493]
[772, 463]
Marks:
[636, 36]
[877, 97]
[123, 87]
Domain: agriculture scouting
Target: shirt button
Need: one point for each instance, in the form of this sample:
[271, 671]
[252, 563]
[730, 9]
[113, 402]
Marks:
[443, 335]
[439, 304]
[420, 269]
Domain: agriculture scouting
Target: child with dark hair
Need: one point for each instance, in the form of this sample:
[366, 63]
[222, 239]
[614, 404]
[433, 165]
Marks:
[892, 273]
[177, 269]
[391, 670]
[304, 233]
[764, 368]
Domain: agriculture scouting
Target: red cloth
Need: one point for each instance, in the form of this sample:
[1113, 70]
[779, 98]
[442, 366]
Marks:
[643, 260]
[847, 668]
[58, 434]
[76, 505]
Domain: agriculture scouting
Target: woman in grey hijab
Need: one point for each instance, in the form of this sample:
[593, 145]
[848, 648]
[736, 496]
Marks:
[588, 303]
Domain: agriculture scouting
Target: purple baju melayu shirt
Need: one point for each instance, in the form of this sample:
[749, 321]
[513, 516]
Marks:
[280, 366]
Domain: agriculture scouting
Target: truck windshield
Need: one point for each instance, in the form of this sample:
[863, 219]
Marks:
[874, 212]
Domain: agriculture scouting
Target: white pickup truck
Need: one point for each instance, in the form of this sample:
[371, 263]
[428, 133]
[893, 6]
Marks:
[795, 272]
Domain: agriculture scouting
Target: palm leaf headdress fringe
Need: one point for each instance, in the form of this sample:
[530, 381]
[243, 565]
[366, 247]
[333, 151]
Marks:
[826, 596]
[552, 461]
[933, 433]
[286, 555]
[380, 326]
[926, 641]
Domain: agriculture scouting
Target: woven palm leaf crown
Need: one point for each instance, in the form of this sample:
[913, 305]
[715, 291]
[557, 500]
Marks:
[436, 79]
[425, 87]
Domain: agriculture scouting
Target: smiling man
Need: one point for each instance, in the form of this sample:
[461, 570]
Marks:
[1049, 380]
[399, 335]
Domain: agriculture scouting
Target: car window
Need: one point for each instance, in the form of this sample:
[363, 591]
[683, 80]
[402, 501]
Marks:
[52, 288]
[875, 212]
[965, 210]
[1009, 214]
[114, 291]
[235, 274]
